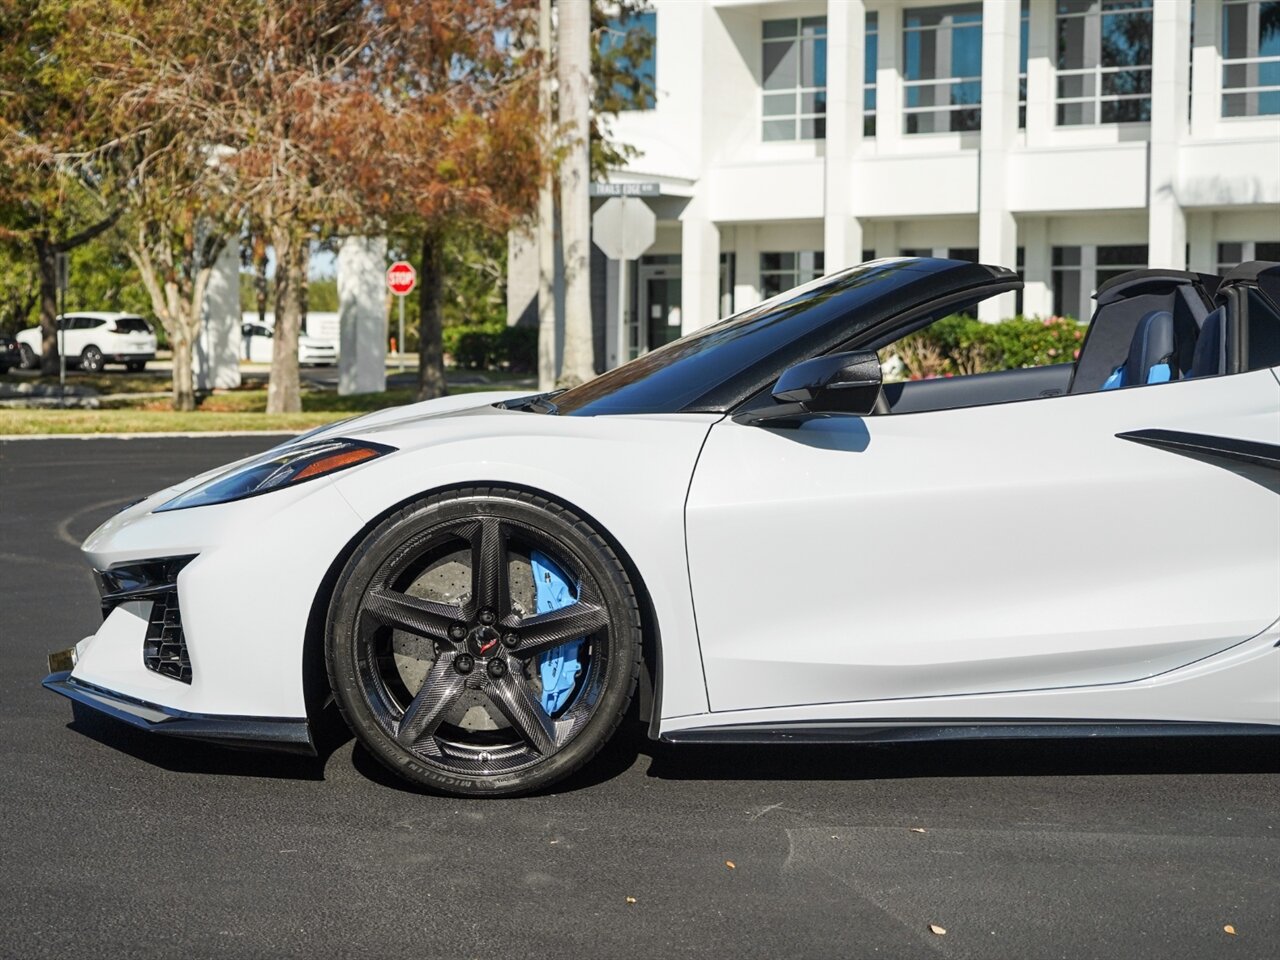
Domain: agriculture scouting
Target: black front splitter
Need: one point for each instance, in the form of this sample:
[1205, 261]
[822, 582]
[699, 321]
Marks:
[257, 733]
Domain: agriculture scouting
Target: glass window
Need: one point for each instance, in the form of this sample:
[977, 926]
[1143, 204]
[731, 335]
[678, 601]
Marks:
[131, 325]
[1067, 282]
[915, 252]
[1250, 58]
[868, 255]
[630, 43]
[1104, 61]
[1024, 32]
[963, 253]
[1115, 260]
[1079, 271]
[869, 75]
[782, 271]
[794, 74]
[728, 277]
[1264, 332]
[942, 58]
[1231, 255]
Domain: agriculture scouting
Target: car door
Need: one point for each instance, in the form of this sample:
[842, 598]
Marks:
[73, 335]
[1015, 546]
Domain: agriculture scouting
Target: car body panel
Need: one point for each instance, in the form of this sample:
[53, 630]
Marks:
[970, 551]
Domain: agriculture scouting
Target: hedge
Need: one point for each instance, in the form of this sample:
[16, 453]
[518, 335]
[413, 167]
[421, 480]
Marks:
[958, 345]
[492, 347]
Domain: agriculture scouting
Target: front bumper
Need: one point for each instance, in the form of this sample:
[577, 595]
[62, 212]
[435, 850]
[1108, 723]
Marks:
[260, 733]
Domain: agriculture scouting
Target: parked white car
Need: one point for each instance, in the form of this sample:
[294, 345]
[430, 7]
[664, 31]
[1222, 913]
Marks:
[93, 339]
[256, 341]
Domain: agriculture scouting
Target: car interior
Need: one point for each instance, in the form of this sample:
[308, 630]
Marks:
[1149, 326]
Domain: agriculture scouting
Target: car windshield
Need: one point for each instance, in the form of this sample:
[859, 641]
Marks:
[132, 325]
[691, 373]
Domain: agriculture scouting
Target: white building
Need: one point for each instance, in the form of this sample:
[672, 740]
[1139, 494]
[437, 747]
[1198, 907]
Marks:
[1071, 138]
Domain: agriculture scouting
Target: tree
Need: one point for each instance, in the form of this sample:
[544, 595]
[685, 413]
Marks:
[53, 183]
[442, 138]
[573, 67]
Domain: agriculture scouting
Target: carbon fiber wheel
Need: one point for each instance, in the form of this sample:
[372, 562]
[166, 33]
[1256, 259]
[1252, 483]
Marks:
[483, 642]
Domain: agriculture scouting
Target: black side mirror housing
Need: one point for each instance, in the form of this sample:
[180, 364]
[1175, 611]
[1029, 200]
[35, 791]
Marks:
[837, 383]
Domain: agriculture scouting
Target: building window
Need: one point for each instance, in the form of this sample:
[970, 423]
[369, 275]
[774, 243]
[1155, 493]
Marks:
[628, 55]
[1231, 255]
[1079, 271]
[868, 255]
[1250, 57]
[869, 65]
[795, 79]
[915, 252]
[1024, 33]
[782, 271]
[1104, 61]
[942, 57]
[963, 253]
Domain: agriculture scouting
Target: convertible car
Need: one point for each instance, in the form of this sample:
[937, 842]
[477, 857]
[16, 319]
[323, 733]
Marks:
[748, 532]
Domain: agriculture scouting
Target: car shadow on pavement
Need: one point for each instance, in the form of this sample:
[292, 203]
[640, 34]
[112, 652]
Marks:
[974, 758]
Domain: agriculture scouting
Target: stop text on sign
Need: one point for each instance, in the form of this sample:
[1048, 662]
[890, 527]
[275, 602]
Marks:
[401, 278]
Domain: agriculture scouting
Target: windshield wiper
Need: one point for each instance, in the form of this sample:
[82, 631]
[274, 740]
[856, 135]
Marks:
[539, 403]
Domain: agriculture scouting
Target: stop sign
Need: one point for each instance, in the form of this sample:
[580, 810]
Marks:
[401, 278]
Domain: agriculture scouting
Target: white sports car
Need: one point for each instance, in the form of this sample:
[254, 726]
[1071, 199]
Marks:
[751, 529]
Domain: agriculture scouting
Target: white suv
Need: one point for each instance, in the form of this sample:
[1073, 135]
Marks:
[91, 340]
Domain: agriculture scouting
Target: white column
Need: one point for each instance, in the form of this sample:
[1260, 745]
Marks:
[889, 80]
[997, 230]
[846, 48]
[699, 268]
[216, 354]
[886, 233]
[362, 315]
[1037, 270]
[746, 281]
[1040, 72]
[1204, 246]
[1170, 75]
[1206, 70]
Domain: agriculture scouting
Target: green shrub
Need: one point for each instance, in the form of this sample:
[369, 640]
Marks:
[492, 347]
[959, 345]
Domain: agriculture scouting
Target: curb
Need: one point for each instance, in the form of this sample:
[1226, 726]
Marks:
[158, 434]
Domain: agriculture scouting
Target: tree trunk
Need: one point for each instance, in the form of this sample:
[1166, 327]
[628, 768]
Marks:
[431, 382]
[574, 66]
[284, 393]
[184, 391]
[545, 230]
[47, 265]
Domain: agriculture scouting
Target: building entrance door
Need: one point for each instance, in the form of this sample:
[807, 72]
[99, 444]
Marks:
[657, 320]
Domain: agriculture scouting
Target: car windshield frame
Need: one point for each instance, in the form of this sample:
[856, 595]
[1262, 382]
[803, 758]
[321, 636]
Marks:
[718, 367]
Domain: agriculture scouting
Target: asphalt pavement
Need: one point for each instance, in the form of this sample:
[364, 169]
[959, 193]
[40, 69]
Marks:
[113, 844]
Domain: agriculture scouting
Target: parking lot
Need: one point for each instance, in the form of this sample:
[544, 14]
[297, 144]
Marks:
[118, 845]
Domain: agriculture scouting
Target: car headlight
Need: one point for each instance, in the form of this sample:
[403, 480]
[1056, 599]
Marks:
[277, 469]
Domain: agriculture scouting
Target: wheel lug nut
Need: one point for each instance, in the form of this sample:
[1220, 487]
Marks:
[457, 632]
[487, 617]
[510, 639]
[465, 663]
[497, 668]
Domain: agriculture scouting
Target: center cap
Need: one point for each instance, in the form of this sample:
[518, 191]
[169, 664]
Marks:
[484, 642]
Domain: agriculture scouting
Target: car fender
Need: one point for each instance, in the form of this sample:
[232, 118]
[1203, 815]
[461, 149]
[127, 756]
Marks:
[629, 476]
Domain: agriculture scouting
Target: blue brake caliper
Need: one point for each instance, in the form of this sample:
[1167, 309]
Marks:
[559, 666]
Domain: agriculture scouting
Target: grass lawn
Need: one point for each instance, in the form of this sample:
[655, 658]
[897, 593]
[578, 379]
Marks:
[233, 410]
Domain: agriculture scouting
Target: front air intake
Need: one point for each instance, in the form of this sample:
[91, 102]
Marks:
[164, 649]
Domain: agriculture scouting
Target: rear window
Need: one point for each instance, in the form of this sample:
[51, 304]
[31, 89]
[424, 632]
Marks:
[131, 325]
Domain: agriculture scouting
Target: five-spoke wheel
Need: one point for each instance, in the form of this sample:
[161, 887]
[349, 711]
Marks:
[483, 642]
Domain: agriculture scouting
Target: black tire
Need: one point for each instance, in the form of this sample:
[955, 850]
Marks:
[422, 634]
[136, 366]
[91, 360]
[30, 359]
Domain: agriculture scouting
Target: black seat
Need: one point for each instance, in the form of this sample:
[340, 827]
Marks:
[1162, 349]
[1210, 357]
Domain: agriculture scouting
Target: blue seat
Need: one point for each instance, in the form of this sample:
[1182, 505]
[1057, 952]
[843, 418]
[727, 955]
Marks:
[1161, 350]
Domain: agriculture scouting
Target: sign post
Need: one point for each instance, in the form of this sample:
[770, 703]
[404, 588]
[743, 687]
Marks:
[624, 227]
[401, 279]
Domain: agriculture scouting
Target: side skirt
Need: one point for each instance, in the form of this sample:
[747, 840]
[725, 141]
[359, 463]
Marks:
[942, 730]
[258, 733]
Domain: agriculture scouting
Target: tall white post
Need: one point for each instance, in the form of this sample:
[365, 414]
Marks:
[216, 354]
[1206, 70]
[699, 268]
[846, 51]
[362, 315]
[889, 96]
[1041, 39]
[1037, 269]
[1170, 79]
[997, 230]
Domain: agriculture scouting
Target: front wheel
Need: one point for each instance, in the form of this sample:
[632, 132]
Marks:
[91, 360]
[484, 642]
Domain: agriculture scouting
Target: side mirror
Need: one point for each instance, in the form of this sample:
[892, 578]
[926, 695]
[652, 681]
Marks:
[837, 383]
